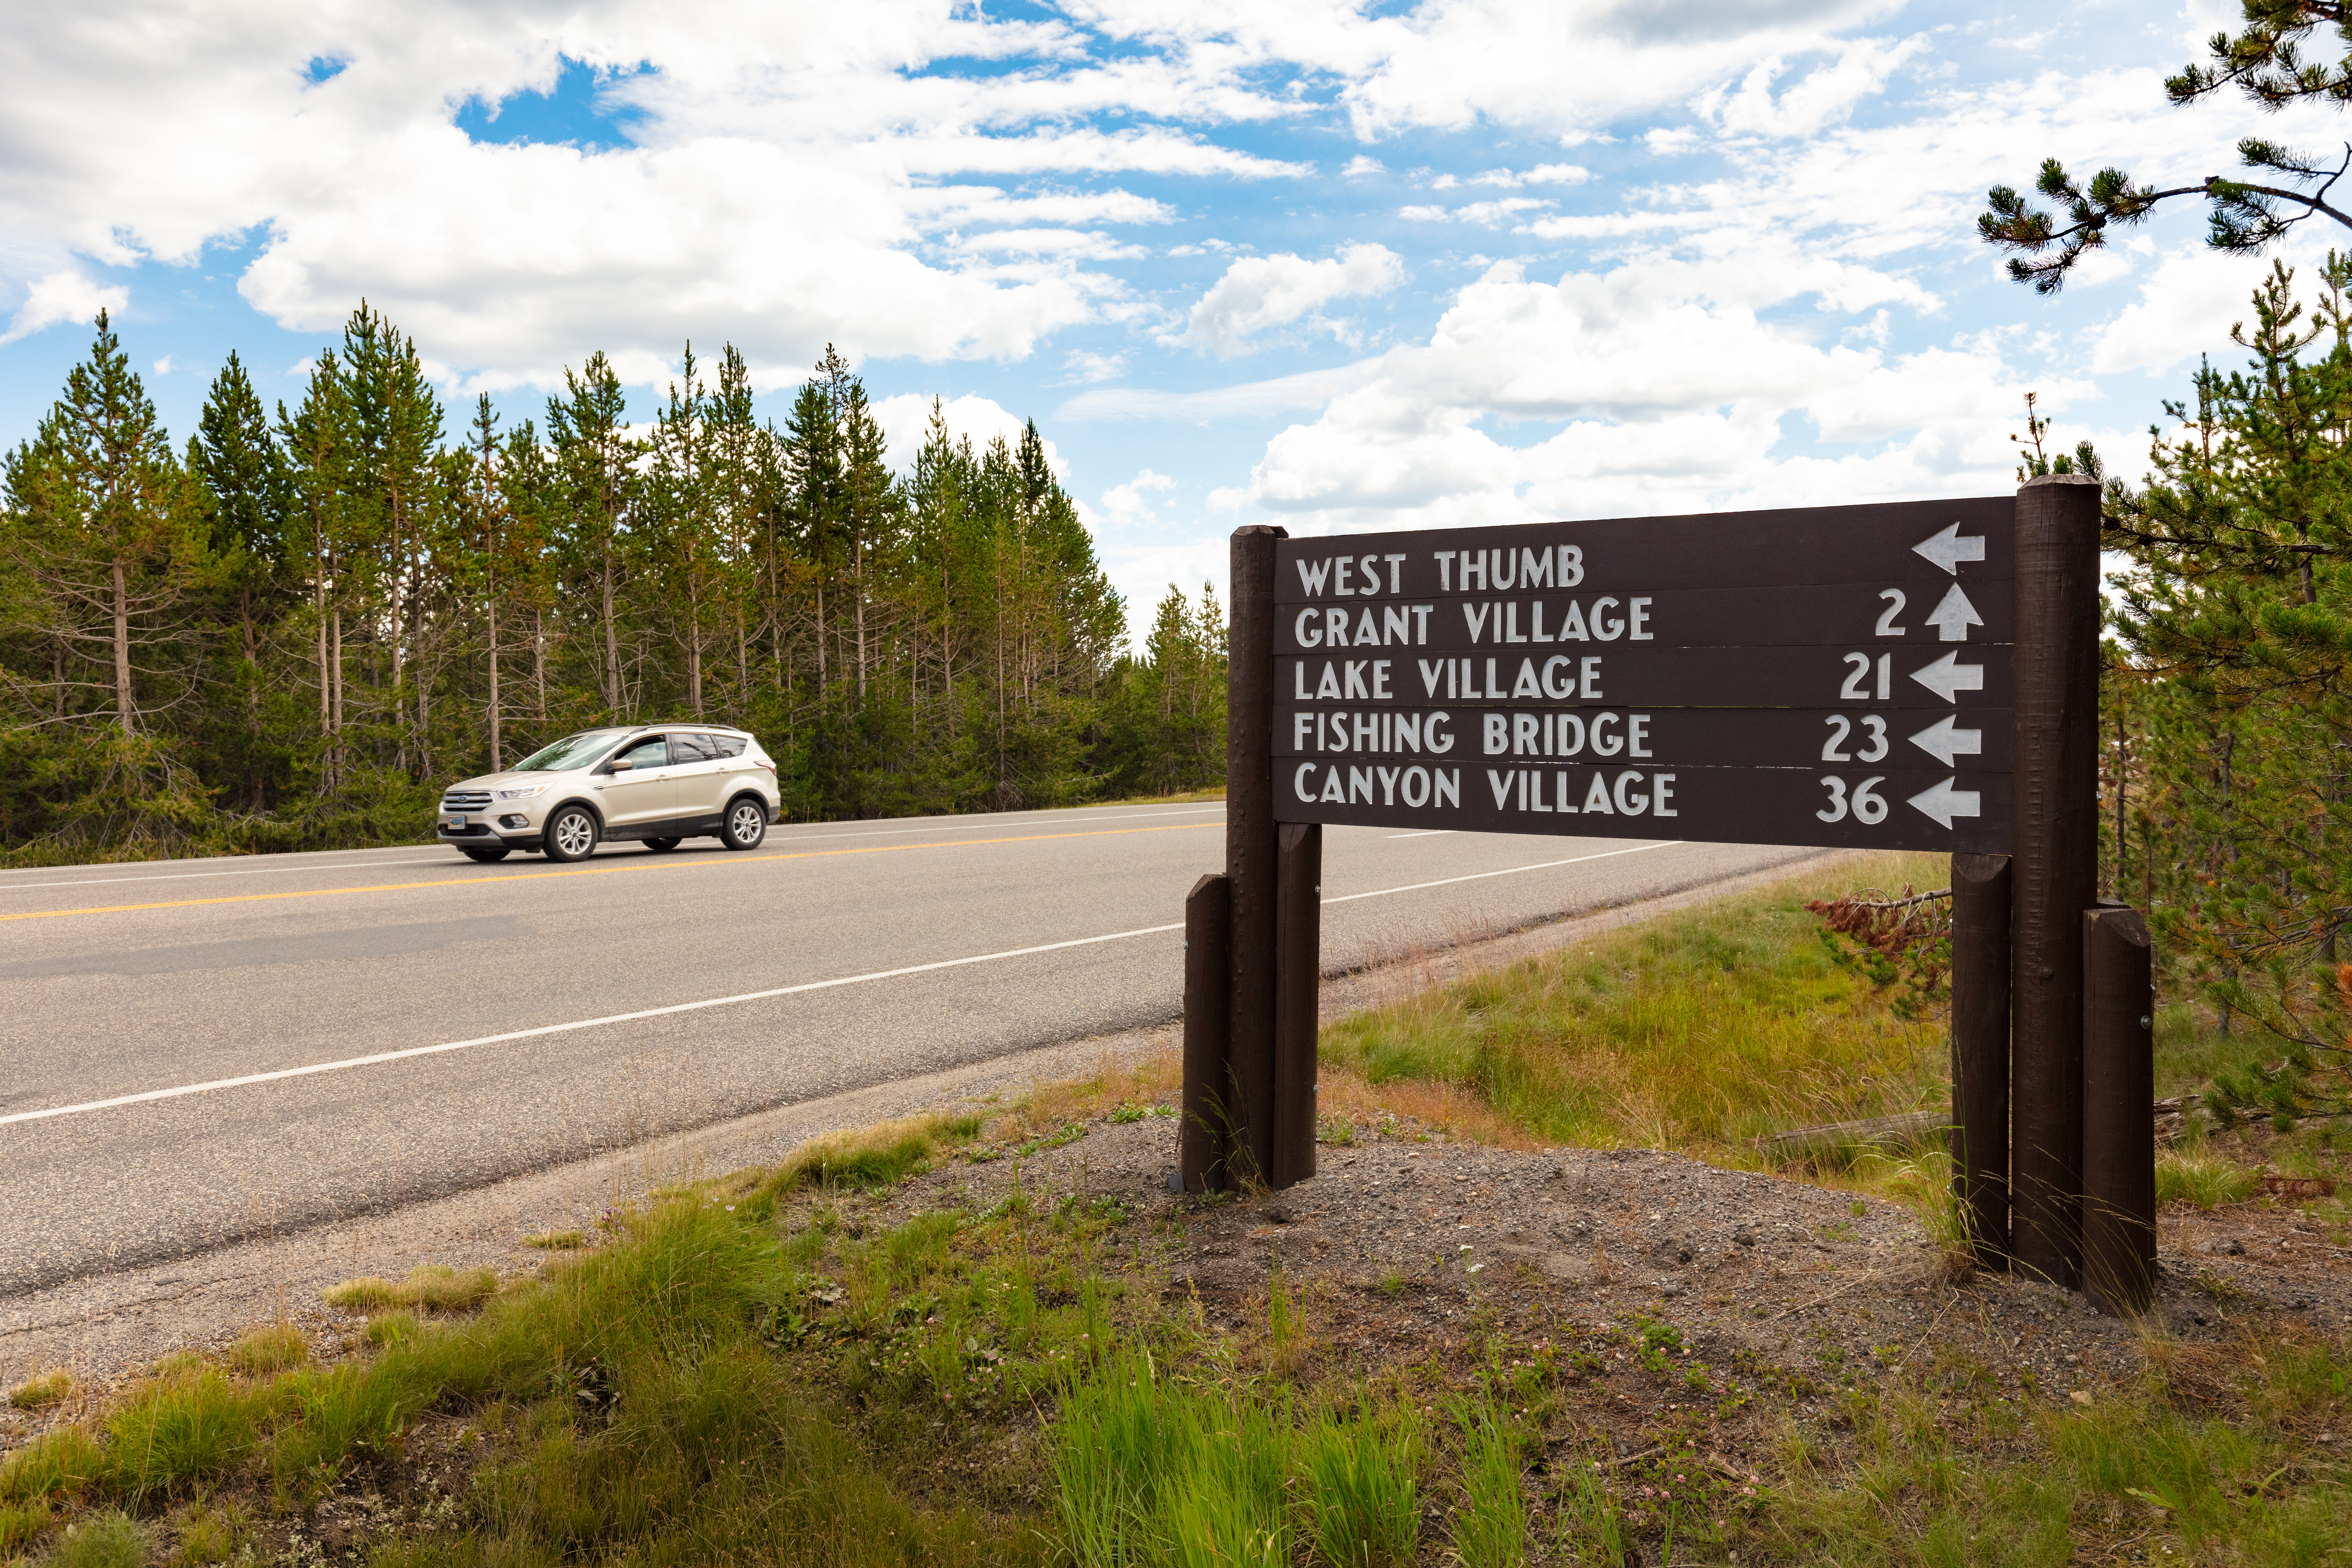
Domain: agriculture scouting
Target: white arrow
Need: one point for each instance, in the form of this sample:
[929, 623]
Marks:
[1947, 549]
[1949, 674]
[1955, 615]
[1944, 740]
[1944, 803]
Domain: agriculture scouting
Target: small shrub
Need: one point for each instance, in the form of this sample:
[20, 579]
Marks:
[272, 1348]
[40, 1392]
[108, 1540]
[556, 1240]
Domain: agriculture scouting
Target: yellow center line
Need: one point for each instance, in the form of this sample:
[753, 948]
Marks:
[596, 871]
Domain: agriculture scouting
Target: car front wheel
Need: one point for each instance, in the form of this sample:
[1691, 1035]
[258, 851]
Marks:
[571, 835]
[747, 825]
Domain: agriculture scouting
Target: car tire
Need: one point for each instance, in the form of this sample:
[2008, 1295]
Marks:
[571, 835]
[662, 846]
[746, 825]
[487, 857]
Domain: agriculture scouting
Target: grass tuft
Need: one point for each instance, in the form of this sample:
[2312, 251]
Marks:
[60, 1463]
[433, 1287]
[556, 1240]
[272, 1348]
[2208, 1181]
[108, 1540]
[40, 1392]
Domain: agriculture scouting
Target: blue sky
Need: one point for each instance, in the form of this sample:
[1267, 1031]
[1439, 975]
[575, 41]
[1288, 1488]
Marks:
[1333, 266]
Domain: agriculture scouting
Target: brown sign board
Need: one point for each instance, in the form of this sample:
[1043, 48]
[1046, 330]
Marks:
[1838, 676]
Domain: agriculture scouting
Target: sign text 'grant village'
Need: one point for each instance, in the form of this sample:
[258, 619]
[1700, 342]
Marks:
[1836, 676]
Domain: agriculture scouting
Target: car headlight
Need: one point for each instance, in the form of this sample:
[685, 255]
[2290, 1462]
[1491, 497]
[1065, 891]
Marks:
[524, 793]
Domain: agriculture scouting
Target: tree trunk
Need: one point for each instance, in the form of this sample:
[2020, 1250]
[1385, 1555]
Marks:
[124, 709]
[498, 750]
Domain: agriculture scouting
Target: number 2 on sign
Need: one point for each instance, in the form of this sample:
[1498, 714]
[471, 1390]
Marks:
[1869, 807]
[1841, 727]
[1858, 677]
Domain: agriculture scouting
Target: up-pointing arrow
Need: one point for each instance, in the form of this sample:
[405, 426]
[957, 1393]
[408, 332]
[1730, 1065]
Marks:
[1947, 549]
[1949, 674]
[1944, 740]
[1944, 803]
[1955, 615]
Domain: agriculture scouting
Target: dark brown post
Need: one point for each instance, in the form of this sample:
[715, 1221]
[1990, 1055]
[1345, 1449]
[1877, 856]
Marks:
[1208, 1024]
[1298, 963]
[2056, 860]
[2118, 1127]
[1981, 907]
[1250, 847]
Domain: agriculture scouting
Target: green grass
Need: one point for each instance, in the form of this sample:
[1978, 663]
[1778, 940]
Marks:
[273, 1347]
[1700, 1030]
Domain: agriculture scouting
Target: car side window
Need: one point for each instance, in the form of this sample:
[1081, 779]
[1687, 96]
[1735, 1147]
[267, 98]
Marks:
[689, 749]
[729, 745]
[653, 753]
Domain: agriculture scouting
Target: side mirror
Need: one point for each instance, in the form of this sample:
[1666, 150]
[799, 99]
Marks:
[622, 764]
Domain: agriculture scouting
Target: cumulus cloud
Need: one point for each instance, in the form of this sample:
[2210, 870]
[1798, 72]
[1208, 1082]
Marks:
[1824, 96]
[65, 295]
[1129, 505]
[1663, 388]
[906, 421]
[1259, 293]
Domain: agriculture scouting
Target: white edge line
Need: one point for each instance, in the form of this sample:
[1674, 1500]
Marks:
[1506, 871]
[205, 1087]
[414, 1051]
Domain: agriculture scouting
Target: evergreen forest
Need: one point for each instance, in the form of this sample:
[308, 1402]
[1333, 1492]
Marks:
[292, 630]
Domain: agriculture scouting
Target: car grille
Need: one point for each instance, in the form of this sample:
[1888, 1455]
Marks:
[466, 800]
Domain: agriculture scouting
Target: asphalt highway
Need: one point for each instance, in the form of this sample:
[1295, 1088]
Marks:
[199, 1052]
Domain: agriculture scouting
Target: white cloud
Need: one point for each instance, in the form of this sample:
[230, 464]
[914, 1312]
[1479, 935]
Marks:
[2185, 308]
[1259, 293]
[1664, 390]
[1129, 506]
[1541, 174]
[1362, 165]
[163, 365]
[1825, 95]
[906, 421]
[63, 296]
[1081, 365]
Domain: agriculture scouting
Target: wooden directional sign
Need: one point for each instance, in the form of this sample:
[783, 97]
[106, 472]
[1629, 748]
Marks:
[1833, 676]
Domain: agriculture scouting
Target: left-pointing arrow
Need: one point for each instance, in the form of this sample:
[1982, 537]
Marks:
[1944, 803]
[1949, 548]
[1948, 674]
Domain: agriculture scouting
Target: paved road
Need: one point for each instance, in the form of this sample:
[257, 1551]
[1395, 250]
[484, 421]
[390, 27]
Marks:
[523, 1013]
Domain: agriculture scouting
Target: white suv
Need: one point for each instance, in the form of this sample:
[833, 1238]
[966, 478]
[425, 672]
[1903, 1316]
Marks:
[658, 784]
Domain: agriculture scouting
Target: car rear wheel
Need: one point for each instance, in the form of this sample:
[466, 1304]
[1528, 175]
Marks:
[484, 856]
[662, 846]
[747, 825]
[571, 834]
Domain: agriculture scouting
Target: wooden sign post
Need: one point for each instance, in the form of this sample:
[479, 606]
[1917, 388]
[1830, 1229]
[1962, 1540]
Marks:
[1910, 676]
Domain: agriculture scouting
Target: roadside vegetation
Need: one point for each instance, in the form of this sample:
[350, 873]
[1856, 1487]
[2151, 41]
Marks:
[791, 1364]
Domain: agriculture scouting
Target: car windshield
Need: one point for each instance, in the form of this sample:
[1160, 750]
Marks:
[570, 751]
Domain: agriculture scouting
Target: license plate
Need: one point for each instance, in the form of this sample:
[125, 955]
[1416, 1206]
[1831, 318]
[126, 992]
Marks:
[458, 822]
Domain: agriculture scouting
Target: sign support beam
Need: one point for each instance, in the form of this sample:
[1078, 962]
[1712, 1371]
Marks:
[2055, 846]
[1980, 979]
[1250, 850]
